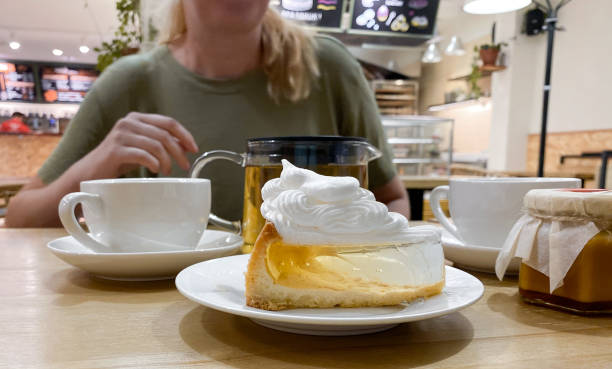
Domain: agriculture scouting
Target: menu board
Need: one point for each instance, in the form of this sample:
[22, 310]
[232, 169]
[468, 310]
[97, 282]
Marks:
[64, 84]
[317, 13]
[17, 82]
[399, 17]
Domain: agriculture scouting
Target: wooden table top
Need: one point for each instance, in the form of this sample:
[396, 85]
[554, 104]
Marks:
[53, 315]
[424, 182]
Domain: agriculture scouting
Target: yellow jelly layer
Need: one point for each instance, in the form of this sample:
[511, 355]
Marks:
[588, 280]
[360, 268]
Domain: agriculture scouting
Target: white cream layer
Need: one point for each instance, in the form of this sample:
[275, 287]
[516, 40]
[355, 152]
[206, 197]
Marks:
[311, 209]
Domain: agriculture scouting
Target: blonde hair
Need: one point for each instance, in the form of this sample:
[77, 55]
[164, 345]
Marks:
[288, 51]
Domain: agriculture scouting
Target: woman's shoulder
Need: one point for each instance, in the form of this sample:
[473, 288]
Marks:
[333, 53]
[335, 58]
[128, 77]
[132, 68]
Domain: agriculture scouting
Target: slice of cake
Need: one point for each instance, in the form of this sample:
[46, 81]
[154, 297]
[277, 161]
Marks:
[328, 243]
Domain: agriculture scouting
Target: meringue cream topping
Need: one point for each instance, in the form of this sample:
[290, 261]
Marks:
[311, 209]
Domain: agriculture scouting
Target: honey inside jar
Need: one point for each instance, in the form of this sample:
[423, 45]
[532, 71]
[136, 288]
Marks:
[587, 287]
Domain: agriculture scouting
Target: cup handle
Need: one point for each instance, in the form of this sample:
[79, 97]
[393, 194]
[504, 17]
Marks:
[207, 157]
[69, 221]
[434, 202]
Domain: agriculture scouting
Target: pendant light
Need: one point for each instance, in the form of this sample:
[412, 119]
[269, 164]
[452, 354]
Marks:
[493, 6]
[432, 54]
[13, 44]
[455, 47]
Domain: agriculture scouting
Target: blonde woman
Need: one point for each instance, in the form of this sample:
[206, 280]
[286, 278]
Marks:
[224, 71]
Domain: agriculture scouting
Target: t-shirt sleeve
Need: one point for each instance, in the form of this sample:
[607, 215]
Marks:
[358, 112]
[94, 118]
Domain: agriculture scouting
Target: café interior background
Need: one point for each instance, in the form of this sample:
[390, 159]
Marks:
[495, 134]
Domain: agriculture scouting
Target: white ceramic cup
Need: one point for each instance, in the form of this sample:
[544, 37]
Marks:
[485, 209]
[139, 214]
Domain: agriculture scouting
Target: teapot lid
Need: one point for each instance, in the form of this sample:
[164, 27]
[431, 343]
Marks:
[307, 151]
[309, 138]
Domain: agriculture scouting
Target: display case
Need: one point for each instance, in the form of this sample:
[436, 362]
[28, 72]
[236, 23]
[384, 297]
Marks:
[422, 145]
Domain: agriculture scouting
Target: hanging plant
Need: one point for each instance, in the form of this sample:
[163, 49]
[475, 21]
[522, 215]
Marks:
[473, 78]
[128, 35]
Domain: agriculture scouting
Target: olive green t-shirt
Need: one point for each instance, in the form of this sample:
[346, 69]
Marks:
[223, 114]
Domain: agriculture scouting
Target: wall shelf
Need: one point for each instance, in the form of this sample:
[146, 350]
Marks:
[396, 97]
[485, 71]
[60, 110]
[459, 104]
[412, 140]
[419, 161]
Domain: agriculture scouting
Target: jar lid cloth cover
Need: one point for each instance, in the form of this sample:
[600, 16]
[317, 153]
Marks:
[556, 226]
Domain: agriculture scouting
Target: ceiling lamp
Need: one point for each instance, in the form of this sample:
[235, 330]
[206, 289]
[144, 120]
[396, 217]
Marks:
[57, 52]
[432, 54]
[83, 49]
[493, 6]
[455, 47]
[14, 45]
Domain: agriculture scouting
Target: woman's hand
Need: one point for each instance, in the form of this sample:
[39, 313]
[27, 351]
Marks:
[148, 140]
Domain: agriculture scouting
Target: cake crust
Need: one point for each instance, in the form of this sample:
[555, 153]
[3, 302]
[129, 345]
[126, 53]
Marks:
[263, 292]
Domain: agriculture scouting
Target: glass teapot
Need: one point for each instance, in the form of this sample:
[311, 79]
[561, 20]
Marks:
[326, 155]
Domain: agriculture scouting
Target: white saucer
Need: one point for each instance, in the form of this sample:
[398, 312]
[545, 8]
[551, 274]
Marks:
[142, 266]
[472, 257]
[219, 284]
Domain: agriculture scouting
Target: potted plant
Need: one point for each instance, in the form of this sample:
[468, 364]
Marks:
[127, 37]
[489, 52]
[475, 90]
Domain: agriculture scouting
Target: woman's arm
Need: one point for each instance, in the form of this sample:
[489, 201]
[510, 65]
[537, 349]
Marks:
[36, 204]
[148, 140]
[394, 195]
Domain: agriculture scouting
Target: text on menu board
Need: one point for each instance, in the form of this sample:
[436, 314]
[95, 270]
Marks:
[17, 82]
[63, 84]
[318, 13]
[395, 16]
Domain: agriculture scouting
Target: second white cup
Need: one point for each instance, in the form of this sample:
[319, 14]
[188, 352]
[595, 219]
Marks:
[484, 209]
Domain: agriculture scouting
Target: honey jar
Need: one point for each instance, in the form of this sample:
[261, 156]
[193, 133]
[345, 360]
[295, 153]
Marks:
[565, 243]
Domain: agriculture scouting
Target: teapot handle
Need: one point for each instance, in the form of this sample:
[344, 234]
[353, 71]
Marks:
[207, 157]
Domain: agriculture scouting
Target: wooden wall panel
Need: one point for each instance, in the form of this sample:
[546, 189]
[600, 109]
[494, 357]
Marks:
[564, 143]
[23, 155]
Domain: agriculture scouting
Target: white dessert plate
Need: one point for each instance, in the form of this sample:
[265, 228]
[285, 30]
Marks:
[472, 257]
[144, 266]
[219, 284]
